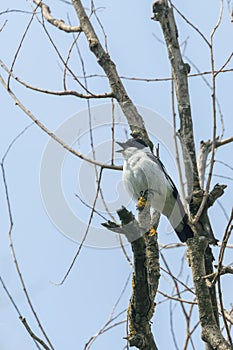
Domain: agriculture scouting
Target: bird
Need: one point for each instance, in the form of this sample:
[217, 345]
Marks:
[145, 175]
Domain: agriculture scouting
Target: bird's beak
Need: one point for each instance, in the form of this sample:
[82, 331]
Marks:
[122, 144]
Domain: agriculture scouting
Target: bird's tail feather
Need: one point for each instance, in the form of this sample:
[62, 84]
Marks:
[184, 231]
[179, 220]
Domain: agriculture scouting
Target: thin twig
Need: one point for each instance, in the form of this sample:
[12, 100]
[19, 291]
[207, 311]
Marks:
[177, 299]
[86, 232]
[4, 24]
[10, 296]
[20, 46]
[190, 24]
[52, 135]
[176, 148]
[54, 92]
[94, 10]
[108, 325]
[226, 237]
[90, 207]
[33, 335]
[214, 134]
[60, 56]
[157, 80]
[222, 310]
[91, 131]
[224, 65]
[113, 130]
[15, 257]
[35, 338]
[210, 87]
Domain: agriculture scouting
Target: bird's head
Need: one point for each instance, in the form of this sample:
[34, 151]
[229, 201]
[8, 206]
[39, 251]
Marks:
[132, 146]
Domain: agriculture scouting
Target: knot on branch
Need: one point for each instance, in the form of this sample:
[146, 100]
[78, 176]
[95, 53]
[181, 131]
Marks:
[93, 44]
[187, 68]
[159, 9]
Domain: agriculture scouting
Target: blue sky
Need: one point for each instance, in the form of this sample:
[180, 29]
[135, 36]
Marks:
[73, 312]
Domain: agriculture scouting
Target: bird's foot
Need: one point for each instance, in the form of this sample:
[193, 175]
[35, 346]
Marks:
[152, 232]
[143, 200]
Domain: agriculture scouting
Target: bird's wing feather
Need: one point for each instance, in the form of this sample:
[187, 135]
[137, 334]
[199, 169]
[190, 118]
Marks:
[173, 186]
[163, 169]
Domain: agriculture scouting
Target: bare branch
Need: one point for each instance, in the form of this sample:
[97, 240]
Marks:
[177, 299]
[32, 308]
[4, 24]
[191, 24]
[87, 229]
[157, 80]
[217, 24]
[35, 338]
[224, 65]
[59, 23]
[178, 161]
[226, 237]
[32, 334]
[135, 120]
[216, 193]
[222, 310]
[228, 316]
[205, 148]
[109, 324]
[223, 142]
[223, 271]
[20, 46]
[164, 14]
[214, 137]
[53, 92]
[10, 296]
[52, 135]
[60, 56]
[210, 331]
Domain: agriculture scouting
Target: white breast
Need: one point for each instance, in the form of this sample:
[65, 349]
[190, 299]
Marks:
[140, 173]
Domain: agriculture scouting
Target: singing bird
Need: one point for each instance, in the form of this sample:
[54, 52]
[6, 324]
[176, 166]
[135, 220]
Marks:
[143, 174]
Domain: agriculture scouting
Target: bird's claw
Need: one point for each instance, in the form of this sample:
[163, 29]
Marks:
[152, 232]
[143, 199]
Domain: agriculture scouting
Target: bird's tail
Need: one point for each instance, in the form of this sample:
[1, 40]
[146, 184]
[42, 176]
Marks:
[179, 220]
[183, 231]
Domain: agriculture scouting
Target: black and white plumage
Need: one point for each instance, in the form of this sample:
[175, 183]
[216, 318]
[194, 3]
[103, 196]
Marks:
[143, 171]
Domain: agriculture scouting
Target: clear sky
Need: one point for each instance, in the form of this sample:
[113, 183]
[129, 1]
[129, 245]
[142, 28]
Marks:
[75, 311]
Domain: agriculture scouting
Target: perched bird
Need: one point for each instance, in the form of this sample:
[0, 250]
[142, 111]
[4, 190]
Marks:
[144, 174]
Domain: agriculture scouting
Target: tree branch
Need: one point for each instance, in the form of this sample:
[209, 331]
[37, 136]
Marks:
[59, 23]
[205, 149]
[146, 274]
[52, 135]
[199, 253]
[54, 92]
[164, 14]
[210, 330]
[135, 120]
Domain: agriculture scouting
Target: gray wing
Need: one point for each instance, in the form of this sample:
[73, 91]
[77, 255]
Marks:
[173, 186]
[163, 169]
